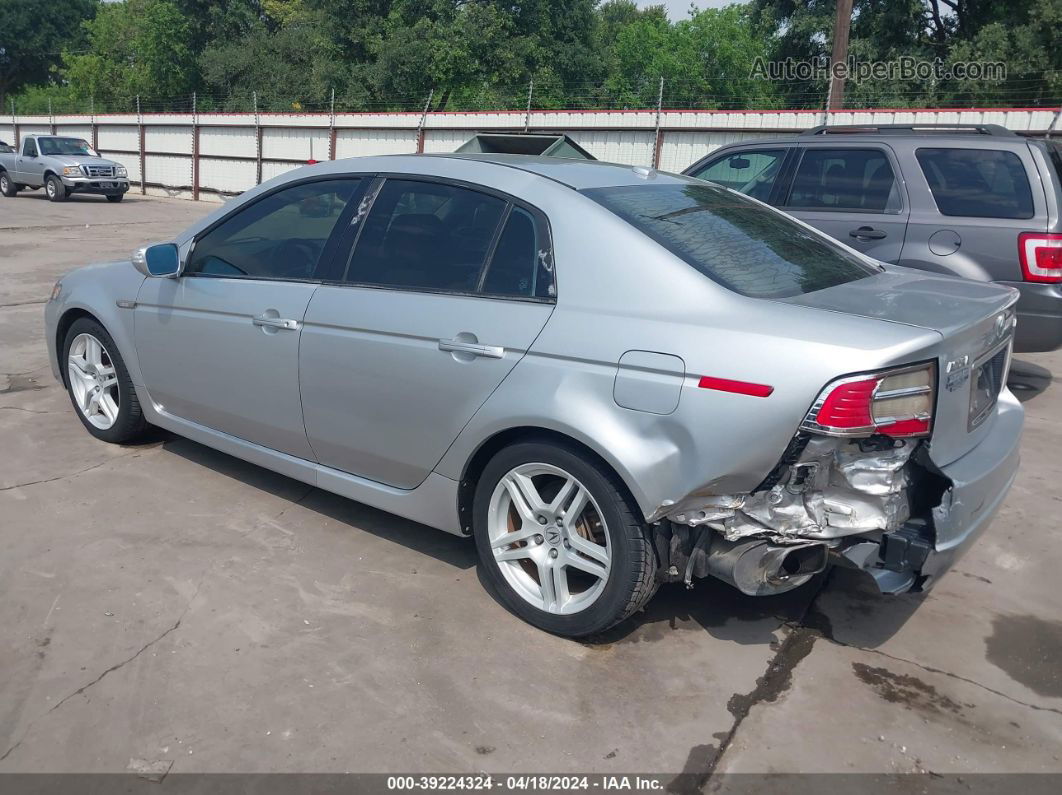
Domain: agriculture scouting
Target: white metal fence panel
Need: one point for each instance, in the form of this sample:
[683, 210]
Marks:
[357, 143]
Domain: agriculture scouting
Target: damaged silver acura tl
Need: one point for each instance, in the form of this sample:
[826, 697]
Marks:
[611, 377]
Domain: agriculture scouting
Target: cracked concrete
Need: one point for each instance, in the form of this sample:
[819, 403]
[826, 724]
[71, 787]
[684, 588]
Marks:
[169, 602]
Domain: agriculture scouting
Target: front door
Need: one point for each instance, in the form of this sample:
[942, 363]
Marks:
[445, 290]
[219, 346]
[851, 194]
[29, 168]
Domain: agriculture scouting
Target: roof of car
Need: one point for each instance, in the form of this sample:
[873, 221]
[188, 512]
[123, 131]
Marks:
[577, 174]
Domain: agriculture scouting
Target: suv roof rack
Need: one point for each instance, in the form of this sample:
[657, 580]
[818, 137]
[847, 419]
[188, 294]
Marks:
[900, 129]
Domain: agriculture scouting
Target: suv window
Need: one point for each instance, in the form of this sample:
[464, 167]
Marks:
[748, 248]
[425, 235]
[281, 236]
[751, 172]
[977, 183]
[29, 148]
[858, 180]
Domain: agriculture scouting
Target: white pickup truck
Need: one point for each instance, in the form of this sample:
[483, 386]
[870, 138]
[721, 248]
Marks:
[61, 165]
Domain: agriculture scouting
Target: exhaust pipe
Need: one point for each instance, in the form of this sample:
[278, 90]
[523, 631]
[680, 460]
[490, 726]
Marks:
[760, 568]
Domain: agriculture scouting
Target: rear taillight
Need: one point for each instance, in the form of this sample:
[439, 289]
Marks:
[1040, 255]
[893, 402]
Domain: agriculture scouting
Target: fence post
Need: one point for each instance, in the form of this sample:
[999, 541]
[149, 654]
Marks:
[140, 129]
[527, 114]
[14, 125]
[95, 127]
[51, 118]
[423, 118]
[658, 140]
[1053, 124]
[195, 149]
[257, 141]
[332, 127]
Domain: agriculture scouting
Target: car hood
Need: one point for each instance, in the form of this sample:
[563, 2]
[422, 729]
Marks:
[947, 304]
[78, 160]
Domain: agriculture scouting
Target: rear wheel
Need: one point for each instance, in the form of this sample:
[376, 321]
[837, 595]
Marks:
[99, 384]
[7, 187]
[55, 189]
[115, 198]
[559, 541]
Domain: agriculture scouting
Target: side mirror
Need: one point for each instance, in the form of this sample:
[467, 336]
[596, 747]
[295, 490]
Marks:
[739, 163]
[160, 260]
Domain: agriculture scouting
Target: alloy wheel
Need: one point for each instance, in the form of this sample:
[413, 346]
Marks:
[93, 381]
[549, 538]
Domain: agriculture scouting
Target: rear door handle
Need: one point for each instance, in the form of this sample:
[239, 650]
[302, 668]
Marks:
[474, 348]
[276, 322]
[867, 233]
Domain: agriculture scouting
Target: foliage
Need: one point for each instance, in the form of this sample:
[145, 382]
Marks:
[481, 54]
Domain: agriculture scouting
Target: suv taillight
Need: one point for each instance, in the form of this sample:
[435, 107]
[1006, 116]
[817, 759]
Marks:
[1040, 255]
[896, 403]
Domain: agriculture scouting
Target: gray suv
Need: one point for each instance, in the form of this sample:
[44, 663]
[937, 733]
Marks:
[972, 200]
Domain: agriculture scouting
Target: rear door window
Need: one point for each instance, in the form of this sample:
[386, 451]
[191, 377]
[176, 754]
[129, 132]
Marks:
[977, 183]
[752, 172]
[746, 247]
[852, 180]
[520, 265]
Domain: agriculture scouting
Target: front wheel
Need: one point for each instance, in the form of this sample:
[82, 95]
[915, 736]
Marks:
[559, 540]
[7, 187]
[55, 189]
[115, 198]
[99, 384]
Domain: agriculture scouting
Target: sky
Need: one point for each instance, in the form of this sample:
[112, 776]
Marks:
[679, 9]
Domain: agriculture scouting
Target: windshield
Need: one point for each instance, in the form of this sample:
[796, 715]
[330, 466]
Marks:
[65, 146]
[746, 247]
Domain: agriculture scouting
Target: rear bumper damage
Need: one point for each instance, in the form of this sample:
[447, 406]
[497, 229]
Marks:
[876, 504]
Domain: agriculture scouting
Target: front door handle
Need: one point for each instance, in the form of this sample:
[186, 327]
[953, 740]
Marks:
[276, 322]
[474, 348]
[867, 233]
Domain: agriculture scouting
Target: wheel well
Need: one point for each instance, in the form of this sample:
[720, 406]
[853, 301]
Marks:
[68, 319]
[466, 489]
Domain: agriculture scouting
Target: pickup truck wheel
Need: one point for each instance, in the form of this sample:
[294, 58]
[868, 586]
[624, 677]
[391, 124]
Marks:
[116, 198]
[558, 540]
[99, 384]
[7, 187]
[55, 189]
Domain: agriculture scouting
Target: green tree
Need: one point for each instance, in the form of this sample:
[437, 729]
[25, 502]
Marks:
[32, 35]
[136, 47]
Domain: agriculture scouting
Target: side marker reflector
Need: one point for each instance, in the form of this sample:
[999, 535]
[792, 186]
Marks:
[738, 387]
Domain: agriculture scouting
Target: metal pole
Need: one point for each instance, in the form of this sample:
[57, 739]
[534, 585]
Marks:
[140, 127]
[1054, 123]
[257, 141]
[423, 119]
[658, 138]
[51, 118]
[527, 115]
[14, 125]
[95, 127]
[195, 149]
[332, 127]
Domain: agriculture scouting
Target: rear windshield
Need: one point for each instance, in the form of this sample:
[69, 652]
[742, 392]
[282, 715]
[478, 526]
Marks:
[746, 247]
[977, 183]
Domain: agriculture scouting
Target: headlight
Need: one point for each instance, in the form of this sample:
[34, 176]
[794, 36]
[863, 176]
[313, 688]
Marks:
[56, 291]
[120, 171]
[72, 171]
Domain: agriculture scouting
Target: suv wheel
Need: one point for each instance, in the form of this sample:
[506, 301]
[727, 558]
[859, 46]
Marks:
[55, 189]
[99, 384]
[558, 540]
[7, 187]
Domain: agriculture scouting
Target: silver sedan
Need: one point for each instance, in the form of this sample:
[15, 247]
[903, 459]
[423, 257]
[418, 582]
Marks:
[611, 377]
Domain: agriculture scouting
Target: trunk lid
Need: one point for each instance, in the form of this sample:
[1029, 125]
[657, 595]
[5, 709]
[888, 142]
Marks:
[975, 321]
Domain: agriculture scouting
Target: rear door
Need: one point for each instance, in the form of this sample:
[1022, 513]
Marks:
[852, 193]
[435, 295]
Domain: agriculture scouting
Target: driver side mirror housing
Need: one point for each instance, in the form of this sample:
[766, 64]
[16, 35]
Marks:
[161, 260]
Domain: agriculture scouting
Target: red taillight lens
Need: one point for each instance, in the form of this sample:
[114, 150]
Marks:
[893, 402]
[1040, 256]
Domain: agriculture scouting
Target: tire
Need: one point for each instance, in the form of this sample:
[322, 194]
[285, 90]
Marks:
[127, 423]
[55, 189]
[608, 533]
[115, 198]
[7, 186]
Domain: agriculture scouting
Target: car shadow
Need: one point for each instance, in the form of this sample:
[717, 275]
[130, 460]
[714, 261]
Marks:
[1028, 380]
[842, 605]
[40, 195]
